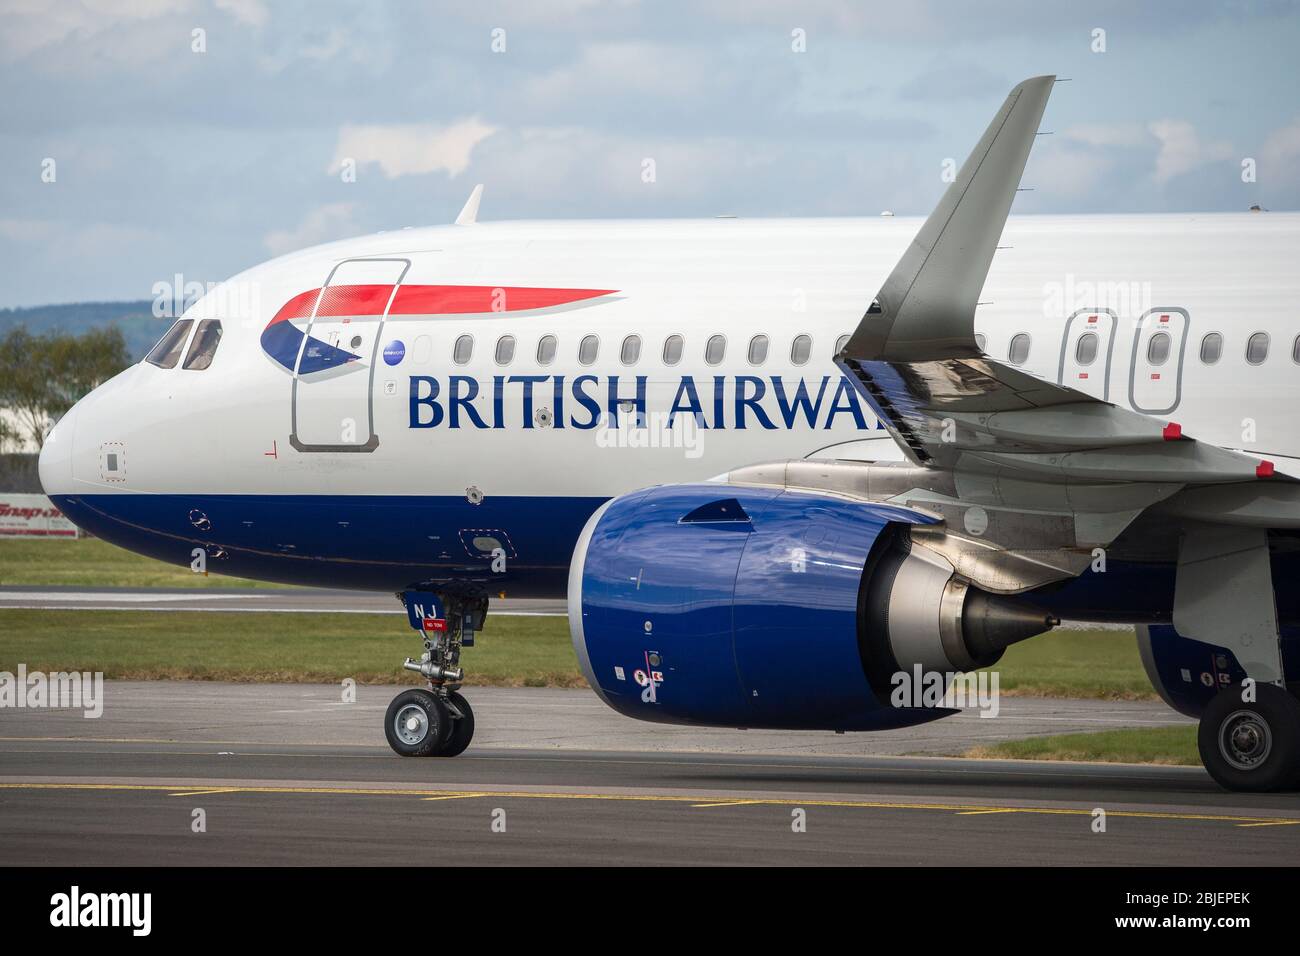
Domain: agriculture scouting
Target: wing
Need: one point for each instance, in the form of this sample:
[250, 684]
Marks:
[1028, 478]
[914, 357]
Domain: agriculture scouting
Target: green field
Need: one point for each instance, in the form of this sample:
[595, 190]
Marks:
[533, 651]
[1163, 745]
[90, 562]
[208, 645]
[1097, 664]
[1070, 663]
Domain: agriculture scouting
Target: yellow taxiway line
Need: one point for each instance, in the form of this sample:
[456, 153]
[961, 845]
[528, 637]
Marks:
[696, 801]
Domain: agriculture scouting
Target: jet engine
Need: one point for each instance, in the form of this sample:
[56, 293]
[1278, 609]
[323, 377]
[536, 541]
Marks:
[748, 606]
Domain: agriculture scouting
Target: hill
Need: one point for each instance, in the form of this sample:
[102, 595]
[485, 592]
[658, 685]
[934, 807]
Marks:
[136, 320]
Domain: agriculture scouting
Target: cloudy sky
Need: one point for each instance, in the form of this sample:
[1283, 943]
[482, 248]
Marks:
[169, 159]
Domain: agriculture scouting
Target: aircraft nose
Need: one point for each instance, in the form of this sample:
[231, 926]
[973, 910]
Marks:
[55, 463]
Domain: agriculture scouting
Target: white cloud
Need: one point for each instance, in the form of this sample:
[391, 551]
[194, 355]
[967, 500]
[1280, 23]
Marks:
[28, 230]
[412, 149]
[32, 25]
[1066, 169]
[323, 224]
[251, 12]
[1107, 134]
[1182, 149]
[1280, 156]
[624, 67]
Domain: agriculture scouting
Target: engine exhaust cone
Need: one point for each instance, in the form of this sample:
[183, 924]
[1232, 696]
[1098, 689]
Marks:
[991, 624]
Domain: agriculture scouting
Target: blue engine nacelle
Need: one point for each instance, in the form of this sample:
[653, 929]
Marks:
[763, 607]
[1188, 674]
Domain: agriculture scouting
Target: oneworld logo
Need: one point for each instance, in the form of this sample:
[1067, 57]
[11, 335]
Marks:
[75, 908]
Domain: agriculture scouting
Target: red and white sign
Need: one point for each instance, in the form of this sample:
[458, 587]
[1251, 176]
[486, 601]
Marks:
[32, 516]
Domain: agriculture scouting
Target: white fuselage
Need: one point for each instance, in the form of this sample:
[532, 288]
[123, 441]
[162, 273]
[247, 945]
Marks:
[407, 417]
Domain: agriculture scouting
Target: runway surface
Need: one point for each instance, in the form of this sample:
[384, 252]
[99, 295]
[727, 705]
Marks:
[294, 775]
[285, 600]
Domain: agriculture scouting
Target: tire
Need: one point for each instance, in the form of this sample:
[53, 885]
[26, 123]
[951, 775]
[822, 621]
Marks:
[462, 728]
[417, 723]
[1252, 747]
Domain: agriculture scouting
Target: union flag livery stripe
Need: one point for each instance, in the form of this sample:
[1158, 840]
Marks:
[282, 340]
[429, 300]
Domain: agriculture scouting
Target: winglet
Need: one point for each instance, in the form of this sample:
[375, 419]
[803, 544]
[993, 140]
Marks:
[926, 308]
[469, 214]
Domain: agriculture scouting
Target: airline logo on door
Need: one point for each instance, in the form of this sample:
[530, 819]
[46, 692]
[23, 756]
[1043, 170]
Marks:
[282, 339]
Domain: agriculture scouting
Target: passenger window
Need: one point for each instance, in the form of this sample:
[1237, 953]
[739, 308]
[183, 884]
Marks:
[673, 349]
[1295, 350]
[980, 341]
[1211, 348]
[842, 341]
[1085, 352]
[1018, 353]
[758, 350]
[204, 346]
[1257, 348]
[505, 350]
[715, 349]
[587, 349]
[168, 350]
[464, 350]
[800, 349]
[1158, 348]
[546, 350]
[631, 350]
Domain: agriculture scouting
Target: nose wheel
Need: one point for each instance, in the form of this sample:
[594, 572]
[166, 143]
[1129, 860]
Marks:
[462, 726]
[425, 723]
[417, 724]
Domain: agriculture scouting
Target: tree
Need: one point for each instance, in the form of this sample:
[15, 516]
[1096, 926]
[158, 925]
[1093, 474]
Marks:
[42, 376]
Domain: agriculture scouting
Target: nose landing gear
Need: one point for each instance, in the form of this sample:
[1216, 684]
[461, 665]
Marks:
[437, 722]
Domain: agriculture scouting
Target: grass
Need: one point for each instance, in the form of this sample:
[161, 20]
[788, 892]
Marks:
[1094, 664]
[90, 562]
[512, 651]
[199, 645]
[1159, 745]
[1069, 663]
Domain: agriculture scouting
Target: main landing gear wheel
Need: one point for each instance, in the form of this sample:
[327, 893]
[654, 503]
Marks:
[417, 723]
[1252, 746]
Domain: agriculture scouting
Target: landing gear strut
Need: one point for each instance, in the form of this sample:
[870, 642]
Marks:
[1252, 745]
[437, 722]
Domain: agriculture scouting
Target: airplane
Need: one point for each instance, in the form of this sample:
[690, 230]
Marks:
[770, 464]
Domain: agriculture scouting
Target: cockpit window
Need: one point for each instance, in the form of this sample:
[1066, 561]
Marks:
[168, 350]
[204, 346]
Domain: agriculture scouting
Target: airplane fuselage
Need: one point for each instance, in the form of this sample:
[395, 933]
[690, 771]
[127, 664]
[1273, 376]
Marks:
[451, 404]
